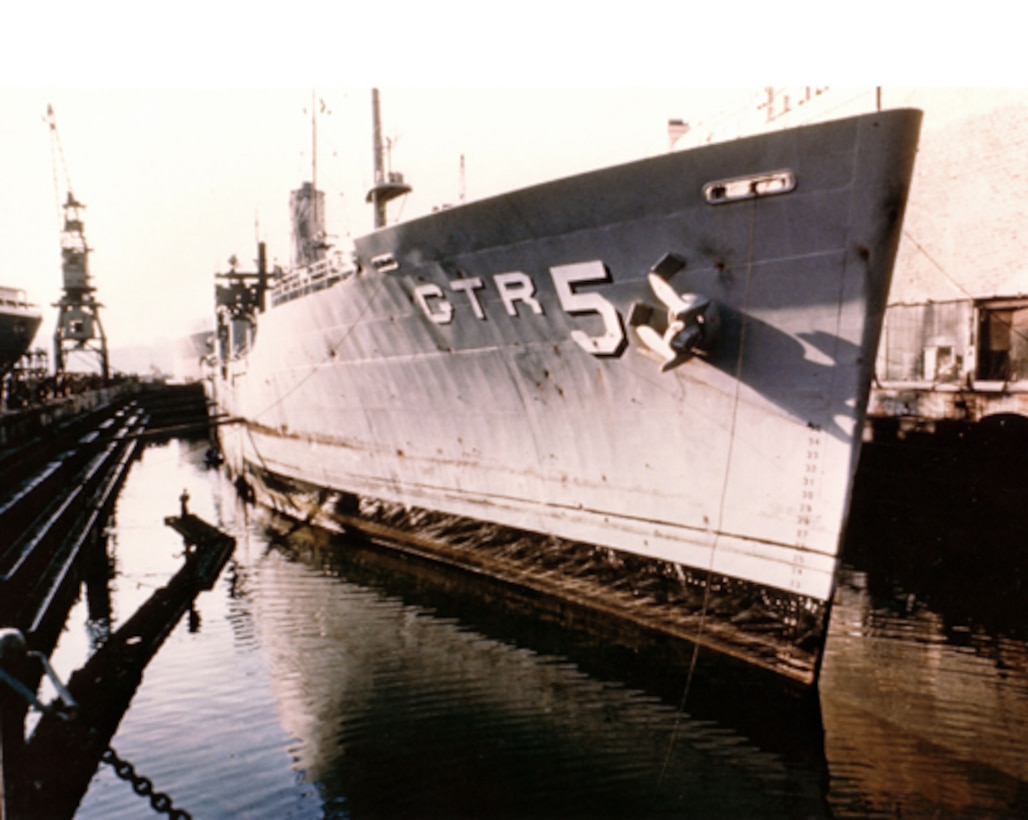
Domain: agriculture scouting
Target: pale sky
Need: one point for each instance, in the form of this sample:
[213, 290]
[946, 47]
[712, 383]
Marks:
[177, 181]
[184, 130]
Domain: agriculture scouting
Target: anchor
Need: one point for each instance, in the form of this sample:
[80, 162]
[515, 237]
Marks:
[689, 326]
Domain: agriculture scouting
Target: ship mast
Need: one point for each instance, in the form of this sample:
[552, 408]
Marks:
[314, 155]
[388, 184]
[376, 139]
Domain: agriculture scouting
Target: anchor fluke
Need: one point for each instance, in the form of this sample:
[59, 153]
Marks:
[689, 326]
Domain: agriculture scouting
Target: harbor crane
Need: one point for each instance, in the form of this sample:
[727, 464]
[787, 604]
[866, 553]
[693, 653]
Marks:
[78, 329]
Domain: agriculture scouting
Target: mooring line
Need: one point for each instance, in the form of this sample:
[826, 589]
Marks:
[721, 510]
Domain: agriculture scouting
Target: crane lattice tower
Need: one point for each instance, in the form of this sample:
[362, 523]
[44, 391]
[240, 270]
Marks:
[79, 329]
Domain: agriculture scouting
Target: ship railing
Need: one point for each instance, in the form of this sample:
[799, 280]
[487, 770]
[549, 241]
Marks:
[310, 278]
[14, 297]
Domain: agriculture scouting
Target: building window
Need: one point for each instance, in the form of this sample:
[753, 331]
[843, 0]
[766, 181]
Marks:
[1003, 340]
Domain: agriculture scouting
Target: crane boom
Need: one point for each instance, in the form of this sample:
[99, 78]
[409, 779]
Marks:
[59, 162]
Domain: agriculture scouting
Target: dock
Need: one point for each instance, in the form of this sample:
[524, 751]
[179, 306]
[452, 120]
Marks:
[47, 774]
[62, 465]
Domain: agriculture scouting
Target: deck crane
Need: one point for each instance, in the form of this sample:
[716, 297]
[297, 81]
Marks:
[78, 329]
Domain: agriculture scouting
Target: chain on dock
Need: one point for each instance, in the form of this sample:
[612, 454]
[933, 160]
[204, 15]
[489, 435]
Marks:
[143, 786]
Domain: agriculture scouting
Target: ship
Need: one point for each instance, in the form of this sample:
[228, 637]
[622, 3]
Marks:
[19, 321]
[638, 390]
[953, 359]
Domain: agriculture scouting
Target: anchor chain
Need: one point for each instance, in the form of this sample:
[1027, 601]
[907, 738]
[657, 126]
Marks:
[143, 786]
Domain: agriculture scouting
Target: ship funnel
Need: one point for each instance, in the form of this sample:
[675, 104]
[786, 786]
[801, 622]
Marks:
[307, 208]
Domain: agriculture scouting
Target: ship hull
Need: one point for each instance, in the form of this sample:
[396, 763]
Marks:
[18, 325]
[487, 362]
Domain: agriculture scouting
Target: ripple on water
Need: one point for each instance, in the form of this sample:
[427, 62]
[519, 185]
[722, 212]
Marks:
[314, 687]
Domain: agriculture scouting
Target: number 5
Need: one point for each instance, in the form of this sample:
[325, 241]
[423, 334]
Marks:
[565, 277]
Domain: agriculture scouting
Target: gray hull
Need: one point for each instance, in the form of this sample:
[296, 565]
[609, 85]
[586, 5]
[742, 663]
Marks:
[19, 322]
[489, 361]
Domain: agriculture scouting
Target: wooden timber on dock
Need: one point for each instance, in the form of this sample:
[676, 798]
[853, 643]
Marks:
[59, 478]
[58, 761]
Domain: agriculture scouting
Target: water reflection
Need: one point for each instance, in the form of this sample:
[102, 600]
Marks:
[925, 682]
[404, 708]
[330, 680]
[917, 721]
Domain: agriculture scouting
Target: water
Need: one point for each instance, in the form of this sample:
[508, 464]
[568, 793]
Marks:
[316, 681]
